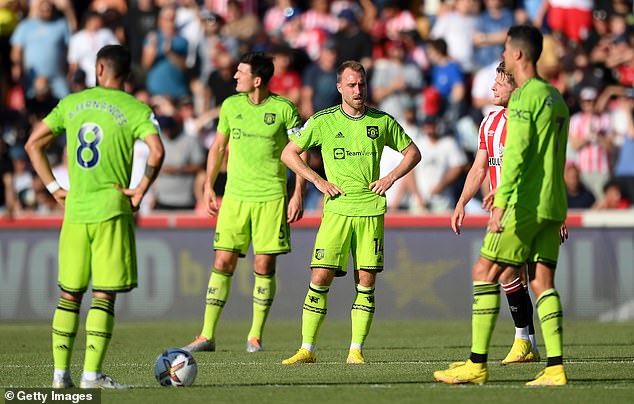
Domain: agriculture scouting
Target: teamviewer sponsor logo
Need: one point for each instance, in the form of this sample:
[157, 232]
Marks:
[340, 153]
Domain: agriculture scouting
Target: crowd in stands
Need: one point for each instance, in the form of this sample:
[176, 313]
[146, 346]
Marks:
[430, 63]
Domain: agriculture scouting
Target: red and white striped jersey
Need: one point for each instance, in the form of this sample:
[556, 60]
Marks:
[492, 139]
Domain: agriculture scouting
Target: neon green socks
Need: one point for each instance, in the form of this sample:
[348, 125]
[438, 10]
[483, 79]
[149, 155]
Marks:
[217, 294]
[263, 295]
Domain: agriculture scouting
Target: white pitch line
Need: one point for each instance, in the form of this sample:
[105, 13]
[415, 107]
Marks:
[378, 363]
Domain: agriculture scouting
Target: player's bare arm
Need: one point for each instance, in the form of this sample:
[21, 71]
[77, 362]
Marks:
[36, 146]
[291, 156]
[411, 157]
[152, 169]
[295, 209]
[475, 177]
[214, 162]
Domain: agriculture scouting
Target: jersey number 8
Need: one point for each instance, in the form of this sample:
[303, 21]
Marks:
[89, 137]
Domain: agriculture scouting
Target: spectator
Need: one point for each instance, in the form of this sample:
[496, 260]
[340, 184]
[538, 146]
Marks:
[570, 18]
[490, 32]
[22, 179]
[190, 28]
[435, 175]
[620, 54]
[396, 19]
[77, 81]
[285, 81]
[297, 37]
[395, 82]
[318, 17]
[174, 188]
[397, 195]
[578, 195]
[8, 199]
[139, 21]
[612, 198]
[446, 78]
[84, 45]
[319, 82]
[164, 56]
[212, 41]
[39, 49]
[240, 24]
[624, 167]
[481, 93]
[276, 16]
[457, 28]
[9, 18]
[42, 101]
[590, 140]
[353, 43]
[220, 85]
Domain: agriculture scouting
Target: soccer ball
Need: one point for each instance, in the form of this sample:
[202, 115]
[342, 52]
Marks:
[175, 367]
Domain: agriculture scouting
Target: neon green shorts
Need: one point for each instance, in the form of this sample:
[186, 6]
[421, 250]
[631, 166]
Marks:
[524, 238]
[339, 235]
[104, 252]
[239, 222]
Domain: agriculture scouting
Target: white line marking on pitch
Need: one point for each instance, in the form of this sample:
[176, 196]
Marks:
[381, 363]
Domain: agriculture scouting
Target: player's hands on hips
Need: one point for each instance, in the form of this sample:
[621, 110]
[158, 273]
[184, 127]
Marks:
[495, 225]
[381, 186]
[135, 195]
[295, 209]
[487, 202]
[211, 200]
[328, 189]
[457, 218]
[563, 233]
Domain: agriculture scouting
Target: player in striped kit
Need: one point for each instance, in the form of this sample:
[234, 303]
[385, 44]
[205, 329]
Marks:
[490, 154]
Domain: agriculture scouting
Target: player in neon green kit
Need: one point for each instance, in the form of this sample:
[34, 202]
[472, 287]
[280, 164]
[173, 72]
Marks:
[97, 237]
[255, 124]
[352, 137]
[528, 211]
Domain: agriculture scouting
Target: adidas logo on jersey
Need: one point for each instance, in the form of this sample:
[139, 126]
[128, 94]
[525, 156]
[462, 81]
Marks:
[339, 136]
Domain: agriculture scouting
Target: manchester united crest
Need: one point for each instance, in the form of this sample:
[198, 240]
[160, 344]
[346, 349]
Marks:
[373, 131]
[269, 118]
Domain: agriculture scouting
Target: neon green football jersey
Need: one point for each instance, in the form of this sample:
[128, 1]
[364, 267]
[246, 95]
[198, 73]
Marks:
[351, 149]
[101, 126]
[257, 136]
[535, 151]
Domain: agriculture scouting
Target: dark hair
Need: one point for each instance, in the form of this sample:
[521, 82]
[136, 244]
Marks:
[439, 45]
[508, 76]
[529, 39]
[350, 64]
[117, 58]
[261, 65]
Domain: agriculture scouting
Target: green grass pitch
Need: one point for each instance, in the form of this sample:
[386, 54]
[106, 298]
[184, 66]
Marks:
[599, 359]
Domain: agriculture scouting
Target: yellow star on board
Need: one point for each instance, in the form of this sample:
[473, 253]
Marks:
[413, 281]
